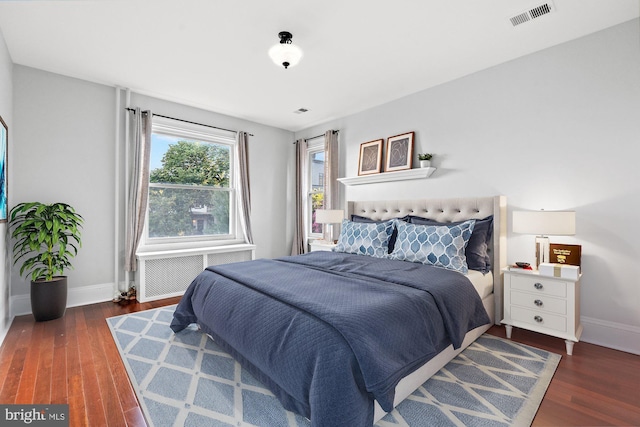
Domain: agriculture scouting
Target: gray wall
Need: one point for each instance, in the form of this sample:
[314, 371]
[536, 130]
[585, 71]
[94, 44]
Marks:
[64, 138]
[6, 111]
[558, 129]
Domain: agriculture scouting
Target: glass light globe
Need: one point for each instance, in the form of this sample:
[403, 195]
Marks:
[285, 54]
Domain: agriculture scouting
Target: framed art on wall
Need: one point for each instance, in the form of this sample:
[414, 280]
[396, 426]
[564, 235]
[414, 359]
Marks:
[399, 152]
[4, 139]
[370, 157]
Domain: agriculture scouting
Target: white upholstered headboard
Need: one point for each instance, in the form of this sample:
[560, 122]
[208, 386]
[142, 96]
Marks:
[448, 210]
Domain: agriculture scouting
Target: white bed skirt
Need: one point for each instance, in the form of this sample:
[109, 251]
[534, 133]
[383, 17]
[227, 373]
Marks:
[411, 382]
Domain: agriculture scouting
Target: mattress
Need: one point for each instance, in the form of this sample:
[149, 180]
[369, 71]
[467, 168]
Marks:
[482, 282]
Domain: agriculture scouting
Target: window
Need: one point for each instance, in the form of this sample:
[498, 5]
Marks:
[316, 185]
[191, 188]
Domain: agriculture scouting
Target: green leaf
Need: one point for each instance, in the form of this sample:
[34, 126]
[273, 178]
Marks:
[43, 236]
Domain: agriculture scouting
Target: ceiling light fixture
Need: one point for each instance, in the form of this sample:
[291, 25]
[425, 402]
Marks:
[285, 53]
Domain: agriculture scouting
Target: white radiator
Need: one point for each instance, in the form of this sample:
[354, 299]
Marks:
[169, 273]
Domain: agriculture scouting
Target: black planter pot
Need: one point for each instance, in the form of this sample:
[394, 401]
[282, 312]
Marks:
[49, 299]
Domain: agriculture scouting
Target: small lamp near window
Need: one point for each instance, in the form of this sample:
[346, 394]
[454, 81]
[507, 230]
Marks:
[543, 223]
[328, 217]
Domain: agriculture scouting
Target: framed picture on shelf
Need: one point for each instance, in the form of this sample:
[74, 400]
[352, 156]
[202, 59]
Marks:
[399, 152]
[4, 140]
[370, 157]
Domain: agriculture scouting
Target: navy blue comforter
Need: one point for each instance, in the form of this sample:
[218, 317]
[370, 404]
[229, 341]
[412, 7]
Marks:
[328, 332]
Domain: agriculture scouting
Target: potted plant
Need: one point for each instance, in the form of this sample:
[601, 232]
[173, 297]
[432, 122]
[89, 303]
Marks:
[48, 236]
[425, 159]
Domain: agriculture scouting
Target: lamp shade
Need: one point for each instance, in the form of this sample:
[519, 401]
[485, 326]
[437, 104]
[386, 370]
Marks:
[549, 223]
[329, 216]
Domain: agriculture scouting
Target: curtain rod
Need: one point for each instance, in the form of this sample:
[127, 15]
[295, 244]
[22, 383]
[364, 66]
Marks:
[187, 121]
[317, 136]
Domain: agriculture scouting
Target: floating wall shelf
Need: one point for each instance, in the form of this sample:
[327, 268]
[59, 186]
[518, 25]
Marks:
[418, 173]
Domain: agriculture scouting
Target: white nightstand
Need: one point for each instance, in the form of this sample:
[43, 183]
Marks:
[321, 245]
[545, 304]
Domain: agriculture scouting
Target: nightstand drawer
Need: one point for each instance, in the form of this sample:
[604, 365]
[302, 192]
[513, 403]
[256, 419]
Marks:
[541, 319]
[539, 302]
[538, 284]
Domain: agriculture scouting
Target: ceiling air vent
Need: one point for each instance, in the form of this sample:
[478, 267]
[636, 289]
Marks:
[533, 13]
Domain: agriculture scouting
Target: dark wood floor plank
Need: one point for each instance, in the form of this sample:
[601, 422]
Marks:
[12, 380]
[92, 398]
[60, 386]
[75, 390]
[44, 377]
[594, 387]
[12, 355]
[59, 378]
[126, 394]
[110, 401]
[29, 372]
[11, 343]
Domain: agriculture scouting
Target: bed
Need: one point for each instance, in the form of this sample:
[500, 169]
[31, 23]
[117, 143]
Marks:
[334, 335]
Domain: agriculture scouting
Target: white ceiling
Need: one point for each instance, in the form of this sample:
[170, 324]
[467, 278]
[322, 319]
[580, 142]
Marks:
[357, 53]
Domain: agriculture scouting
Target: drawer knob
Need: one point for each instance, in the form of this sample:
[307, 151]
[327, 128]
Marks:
[538, 303]
[538, 319]
[538, 285]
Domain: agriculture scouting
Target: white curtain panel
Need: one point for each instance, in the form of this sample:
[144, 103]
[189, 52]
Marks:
[138, 192]
[245, 191]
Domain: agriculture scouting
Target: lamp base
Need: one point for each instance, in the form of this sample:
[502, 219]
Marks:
[327, 233]
[542, 250]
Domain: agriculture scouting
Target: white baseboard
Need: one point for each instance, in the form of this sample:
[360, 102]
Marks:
[611, 334]
[85, 295]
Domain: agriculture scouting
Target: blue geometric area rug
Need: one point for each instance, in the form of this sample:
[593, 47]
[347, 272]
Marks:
[185, 379]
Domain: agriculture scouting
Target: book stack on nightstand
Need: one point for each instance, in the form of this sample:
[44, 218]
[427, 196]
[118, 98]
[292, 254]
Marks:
[545, 304]
[321, 245]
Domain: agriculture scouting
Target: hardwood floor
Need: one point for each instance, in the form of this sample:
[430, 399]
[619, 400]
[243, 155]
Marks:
[74, 360]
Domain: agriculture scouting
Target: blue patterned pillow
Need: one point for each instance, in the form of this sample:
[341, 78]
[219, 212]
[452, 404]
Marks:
[442, 246]
[477, 250]
[394, 234]
[365, 238]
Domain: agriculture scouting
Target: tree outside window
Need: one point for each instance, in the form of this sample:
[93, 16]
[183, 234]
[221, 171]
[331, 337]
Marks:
[189, 188]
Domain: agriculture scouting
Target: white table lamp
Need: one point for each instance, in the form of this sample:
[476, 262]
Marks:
[543, 223]
[328, 217]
